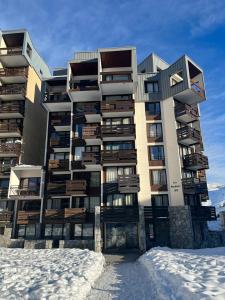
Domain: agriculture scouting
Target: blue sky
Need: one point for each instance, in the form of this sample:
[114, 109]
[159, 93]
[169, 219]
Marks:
[169, 28]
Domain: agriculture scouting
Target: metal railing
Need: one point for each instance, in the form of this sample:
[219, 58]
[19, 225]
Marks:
[21, 191]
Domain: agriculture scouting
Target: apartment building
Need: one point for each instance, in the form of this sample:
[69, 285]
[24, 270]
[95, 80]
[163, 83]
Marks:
[122, 167]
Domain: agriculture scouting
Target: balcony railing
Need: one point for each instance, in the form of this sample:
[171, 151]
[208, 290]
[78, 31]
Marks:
[58, 164]
[11, 51]
[85, 85]
[117, 106]
[3, 192]
[196, 161]
[24, 191]
[91, 132]
[119, 214]
[10, 127]
[9, 72]
[11, 108]
[76, 187]
[28, 217]
[119, 156]
[196, 185]
[5, 169]
[203, 213]
[186, 113]
[87, 108]
[65, 215]
[188, 135]
[128, 183]
[91, 158]
[59, 143]
[6, 216]
[56, 97]
[56, 188]
[60, 121]
[12, 89]
[156, 212]
[120, 130]
[10, 148]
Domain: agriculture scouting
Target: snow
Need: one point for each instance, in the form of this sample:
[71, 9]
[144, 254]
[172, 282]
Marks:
[48, 273]
[186, 274]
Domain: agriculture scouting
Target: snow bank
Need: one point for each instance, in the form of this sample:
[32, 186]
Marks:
[186, 274]
[48, 274]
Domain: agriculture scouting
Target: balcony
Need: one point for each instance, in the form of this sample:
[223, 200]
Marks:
[13, 92]
[119, 82]
[119, 214]
[57, 101]
[56, 97]
[59, 143]
[76, 187]
[11, 110]
[89, 110]
[84, 90]
[65, 215]
[128, 184]
[117, 108]
[186, 113]
[92, 134]
[120, 157]
[5, 169]
[118, 132]
[90, 160]
[3, 192]
[10, 129]
[203, 213]
[188, 136]
[28, 217]
[13, 75]
[12, 57]
[60, 121]
[10, 149]
[24, 192]
[6, 217]
[156, 212]
[58, 164]
[195, 161]
[56, 188]
[194, 185]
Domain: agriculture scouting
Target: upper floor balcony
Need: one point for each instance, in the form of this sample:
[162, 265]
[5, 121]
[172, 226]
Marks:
[13, 75]
[56, 188]
[188, 136]
[119, 157]
[186, 113]
[58, 164]
[118, 132]
[28, 217]
[60, 119]
[194, 185]
[117, 108]
[6, 217]
[13, 57]
[89, 134]
[76, 187]
[10, 129]
[66, 215]
[128, 183]
[119, 214]
[195, 161]
[13, 92]
[88, 160]
[11, 110]
[86, 112]
[10, 149]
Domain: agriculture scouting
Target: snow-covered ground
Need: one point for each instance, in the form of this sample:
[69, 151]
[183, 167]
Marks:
[48, 274]
[186, 274]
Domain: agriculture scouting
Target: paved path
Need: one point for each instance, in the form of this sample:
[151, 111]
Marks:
[123, 279]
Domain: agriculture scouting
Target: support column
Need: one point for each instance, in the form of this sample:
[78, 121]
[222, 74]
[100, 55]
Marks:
[97, 241]
[141, 230]
[38, 231]
[181, 229]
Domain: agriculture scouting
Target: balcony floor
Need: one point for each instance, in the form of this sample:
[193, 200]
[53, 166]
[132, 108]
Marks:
[10, 61]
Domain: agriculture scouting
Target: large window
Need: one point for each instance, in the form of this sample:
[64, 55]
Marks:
[151, 87]
[27, 231]
[31, 184]
[57, 203]
[118, 121]
[117, 77]
[153, 108]
[84, 231]
[111, 173]
[120, 200]
[118, 146]
[160, 200]
[86, 202]
[158, 177]
[59, 155]
[156, 153]
[63, 137]
[54, 231]
[155, 130]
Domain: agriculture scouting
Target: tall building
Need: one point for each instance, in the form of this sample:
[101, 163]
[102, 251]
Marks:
[115, 158]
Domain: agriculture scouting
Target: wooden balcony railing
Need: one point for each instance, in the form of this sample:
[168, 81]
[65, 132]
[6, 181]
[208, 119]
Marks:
[8, 72]
[11, 108]
[56, 188]
[91, 158]
[194, 185]
[76, 187]
[87, 108]
[119, 130]
[11, 89]
[60, 143]
[91, 132]
[11, 51]
[186, 112]
[203, 213]
[56, 97]
[119, 214]
[65, 215]
[18, 191]
[128, 183]
[10, 127]
[6, 216]
[58, 164]
[196, 161]
[10, 148]
[28, 217]
[60, 121]
[188, 135]
[119, 156]
[87, 85]
[117, 106]
[156, 212]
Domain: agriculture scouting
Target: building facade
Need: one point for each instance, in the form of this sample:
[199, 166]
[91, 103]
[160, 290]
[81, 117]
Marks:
[114, 159]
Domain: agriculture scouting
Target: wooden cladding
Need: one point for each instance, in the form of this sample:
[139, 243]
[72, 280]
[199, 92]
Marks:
[117, 106]
[194, 185]
[6, 217]
[11, 148]
[76, 187]
[188, 135]
[119, 130]
[58, 164]
[119, 156]
[89, 158]
[128, 184]
[65, 215]
[28, 217]
[91, 132]
[195, 161]
[10, 127]
[119, 214]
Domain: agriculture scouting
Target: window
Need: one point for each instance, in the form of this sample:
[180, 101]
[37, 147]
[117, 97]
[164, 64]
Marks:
[118, 121]
[119, 146]
[117, 77]
[83, 231]
[54, 231]
[156, 153]
[86, 202]
[111, 173]
[29, 50]
[153, 108]
[160, 200]
[155, 130]
[4, 183]
[27, 231]
[151, 87]
[176, 78]
[57, 203]
[95, 179]
[158, 177]
[120, 200]
[59, 155]
[31, 184]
